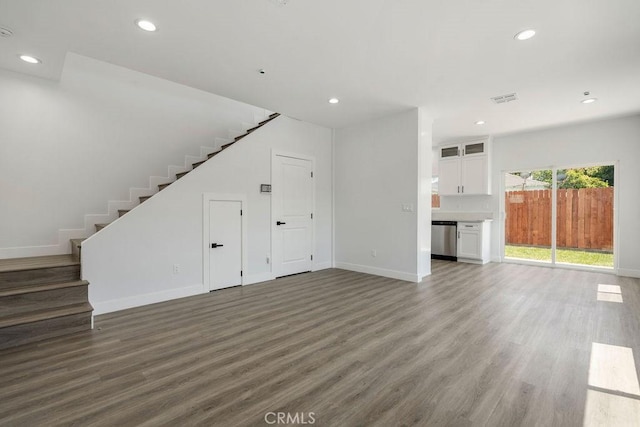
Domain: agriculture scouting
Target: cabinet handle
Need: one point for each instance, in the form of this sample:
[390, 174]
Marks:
[458, 234]
[463, 151]
[458, 188]
[463, 188]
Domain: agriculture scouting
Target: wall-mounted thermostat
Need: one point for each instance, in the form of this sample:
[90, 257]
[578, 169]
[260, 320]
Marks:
[265, 188]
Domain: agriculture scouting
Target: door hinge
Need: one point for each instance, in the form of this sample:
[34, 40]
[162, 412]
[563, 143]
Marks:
[311, 257]
[240, 273]
[240, 212]
[311, 174]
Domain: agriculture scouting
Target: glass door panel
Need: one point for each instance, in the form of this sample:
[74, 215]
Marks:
[528, 220]
[584, 216]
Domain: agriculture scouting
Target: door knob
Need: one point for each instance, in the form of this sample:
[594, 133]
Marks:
[280, 223]
[216, 245]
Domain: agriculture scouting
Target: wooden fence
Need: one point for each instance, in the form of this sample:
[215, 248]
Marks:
[585, 218]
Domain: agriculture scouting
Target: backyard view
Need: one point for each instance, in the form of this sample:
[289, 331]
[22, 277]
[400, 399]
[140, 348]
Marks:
[584, 215]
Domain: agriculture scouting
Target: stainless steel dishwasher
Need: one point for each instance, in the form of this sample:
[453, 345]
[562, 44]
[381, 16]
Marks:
[444, 240]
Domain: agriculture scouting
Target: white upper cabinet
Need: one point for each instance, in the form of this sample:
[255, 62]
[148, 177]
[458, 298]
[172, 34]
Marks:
[464, 169]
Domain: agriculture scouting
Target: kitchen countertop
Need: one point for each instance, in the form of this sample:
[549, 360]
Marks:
[437, 215]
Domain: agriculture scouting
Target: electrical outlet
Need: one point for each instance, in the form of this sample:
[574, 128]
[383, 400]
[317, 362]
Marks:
[176, 268]
[374, 253]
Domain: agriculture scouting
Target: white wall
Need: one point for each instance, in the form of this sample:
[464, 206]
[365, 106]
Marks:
[605, 141]
[130, 262]
[68, 147]
[378, 168]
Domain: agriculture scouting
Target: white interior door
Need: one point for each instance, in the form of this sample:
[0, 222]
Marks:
[292, 198]
[225, 244]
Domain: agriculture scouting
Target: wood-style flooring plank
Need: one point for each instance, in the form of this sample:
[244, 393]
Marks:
[500, 344]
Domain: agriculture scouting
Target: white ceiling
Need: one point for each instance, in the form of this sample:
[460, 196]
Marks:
[377, 56]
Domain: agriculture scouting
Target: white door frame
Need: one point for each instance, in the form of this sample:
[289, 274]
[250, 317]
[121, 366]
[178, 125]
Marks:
[222, 197]
[274, 155]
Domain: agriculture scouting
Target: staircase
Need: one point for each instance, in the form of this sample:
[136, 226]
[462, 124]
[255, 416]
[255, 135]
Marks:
[40, 298]
[44, 297]
[77, 243]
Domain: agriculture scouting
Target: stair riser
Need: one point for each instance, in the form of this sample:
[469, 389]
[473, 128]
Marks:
[11, 279]
[76, 250]
[32, 332]
[54, 298]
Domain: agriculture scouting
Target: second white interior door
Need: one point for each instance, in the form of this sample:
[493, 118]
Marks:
[292, 198]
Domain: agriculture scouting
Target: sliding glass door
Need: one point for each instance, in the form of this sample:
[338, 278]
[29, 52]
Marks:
[561, 216]
[528, 213]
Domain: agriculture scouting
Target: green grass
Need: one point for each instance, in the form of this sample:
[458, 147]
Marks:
[569, 256]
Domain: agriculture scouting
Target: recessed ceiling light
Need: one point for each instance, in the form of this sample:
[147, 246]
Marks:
[589, 100]
[146, 25]
[334, 101]
[480, 122]
[525, 35]
[30, 59]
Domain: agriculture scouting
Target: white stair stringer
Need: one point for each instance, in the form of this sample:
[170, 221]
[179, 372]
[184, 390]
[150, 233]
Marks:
[90, 220]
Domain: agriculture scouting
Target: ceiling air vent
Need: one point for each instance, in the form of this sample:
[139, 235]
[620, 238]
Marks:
[504, 98]
[5, 32]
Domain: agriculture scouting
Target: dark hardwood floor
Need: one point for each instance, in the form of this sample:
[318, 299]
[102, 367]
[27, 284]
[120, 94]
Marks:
[497, 345]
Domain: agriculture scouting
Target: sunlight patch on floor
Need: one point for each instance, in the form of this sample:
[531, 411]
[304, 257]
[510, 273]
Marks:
[612, 367]
[608, 297]
[610, 410]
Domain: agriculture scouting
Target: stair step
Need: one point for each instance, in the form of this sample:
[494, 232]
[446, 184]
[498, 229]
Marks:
[238, 138]
[122, 212]
[225, 146]
[271, 117]
[100, 226]
[39, 325]
[254, 128]
[38, 270]
[77, 242]
[181, 174]
[163, 186]
[210, 155]
[44, 314]
[144, 198]
[196, 164]
[76, 247]
[40, 288]
[25, 299]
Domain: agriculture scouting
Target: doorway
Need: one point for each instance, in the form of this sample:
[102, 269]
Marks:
[223, 242]
[292, 214]
[561, 216]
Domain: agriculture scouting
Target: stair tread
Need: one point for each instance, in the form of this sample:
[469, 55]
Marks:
[38, 315]
[196, 164]
[26, 289]
[77, 242]
[34, 263]
[210, 155]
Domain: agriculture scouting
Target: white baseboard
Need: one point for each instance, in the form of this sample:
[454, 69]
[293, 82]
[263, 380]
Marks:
[495, 258]
[102, 307]
[321, 266]
[627, 272]
[257, 278]
[392, 274]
